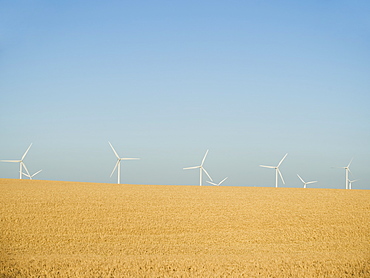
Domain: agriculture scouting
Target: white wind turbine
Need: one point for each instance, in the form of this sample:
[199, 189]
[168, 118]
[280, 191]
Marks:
[31, 176]
[217, 183]
[118, 163]
[201, 169]
[350, 183]
[305, 183]
[277, 170]
[21, 163]
[347, 172]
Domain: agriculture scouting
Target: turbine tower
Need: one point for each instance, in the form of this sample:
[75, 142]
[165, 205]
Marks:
[305, 183]
[350, 183]
[118, 163]
[21, 163]
[277, 171]
[201, 169]
[217, 183]
[31, 176]
[347, 172]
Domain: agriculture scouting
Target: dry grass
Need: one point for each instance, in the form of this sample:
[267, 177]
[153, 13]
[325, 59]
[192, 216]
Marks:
[66, 229]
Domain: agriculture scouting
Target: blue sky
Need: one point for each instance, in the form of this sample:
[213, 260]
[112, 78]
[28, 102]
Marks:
[166, 80]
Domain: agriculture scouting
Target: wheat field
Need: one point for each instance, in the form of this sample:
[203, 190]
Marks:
[71, 229]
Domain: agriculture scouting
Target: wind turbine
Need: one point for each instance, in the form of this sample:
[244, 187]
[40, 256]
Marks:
[201, 169]
[304, 186]
[217, 183]
[347, 172]
[118, 163]
[277, 170]
[31, 176]
[350, 183]
[21, 163]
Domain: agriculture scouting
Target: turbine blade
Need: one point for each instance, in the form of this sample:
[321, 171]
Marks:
[118, 161]
[350, 163]
[113, 150]
[129, 158]
[26, 152]
[281, 176]
[282, 160]
[222, 181]
[271, 167]
[195, 167]
[211, 182]
[207, 173]
[300, 178]
[24, 165]
[10, 160]
[36, 173]
[310, 182]
[25, 174]
[204, 158]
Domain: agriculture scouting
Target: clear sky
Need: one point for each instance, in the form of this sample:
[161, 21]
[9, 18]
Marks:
[166, 80]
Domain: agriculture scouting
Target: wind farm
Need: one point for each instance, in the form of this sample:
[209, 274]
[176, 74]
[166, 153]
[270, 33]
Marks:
[162, 230]
[151, 139]
[117, 167]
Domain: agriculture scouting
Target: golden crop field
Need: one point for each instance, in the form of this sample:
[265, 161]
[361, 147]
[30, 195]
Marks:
[71, 229]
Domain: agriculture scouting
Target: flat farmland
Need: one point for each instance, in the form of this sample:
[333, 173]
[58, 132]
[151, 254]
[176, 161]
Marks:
[73, 229]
